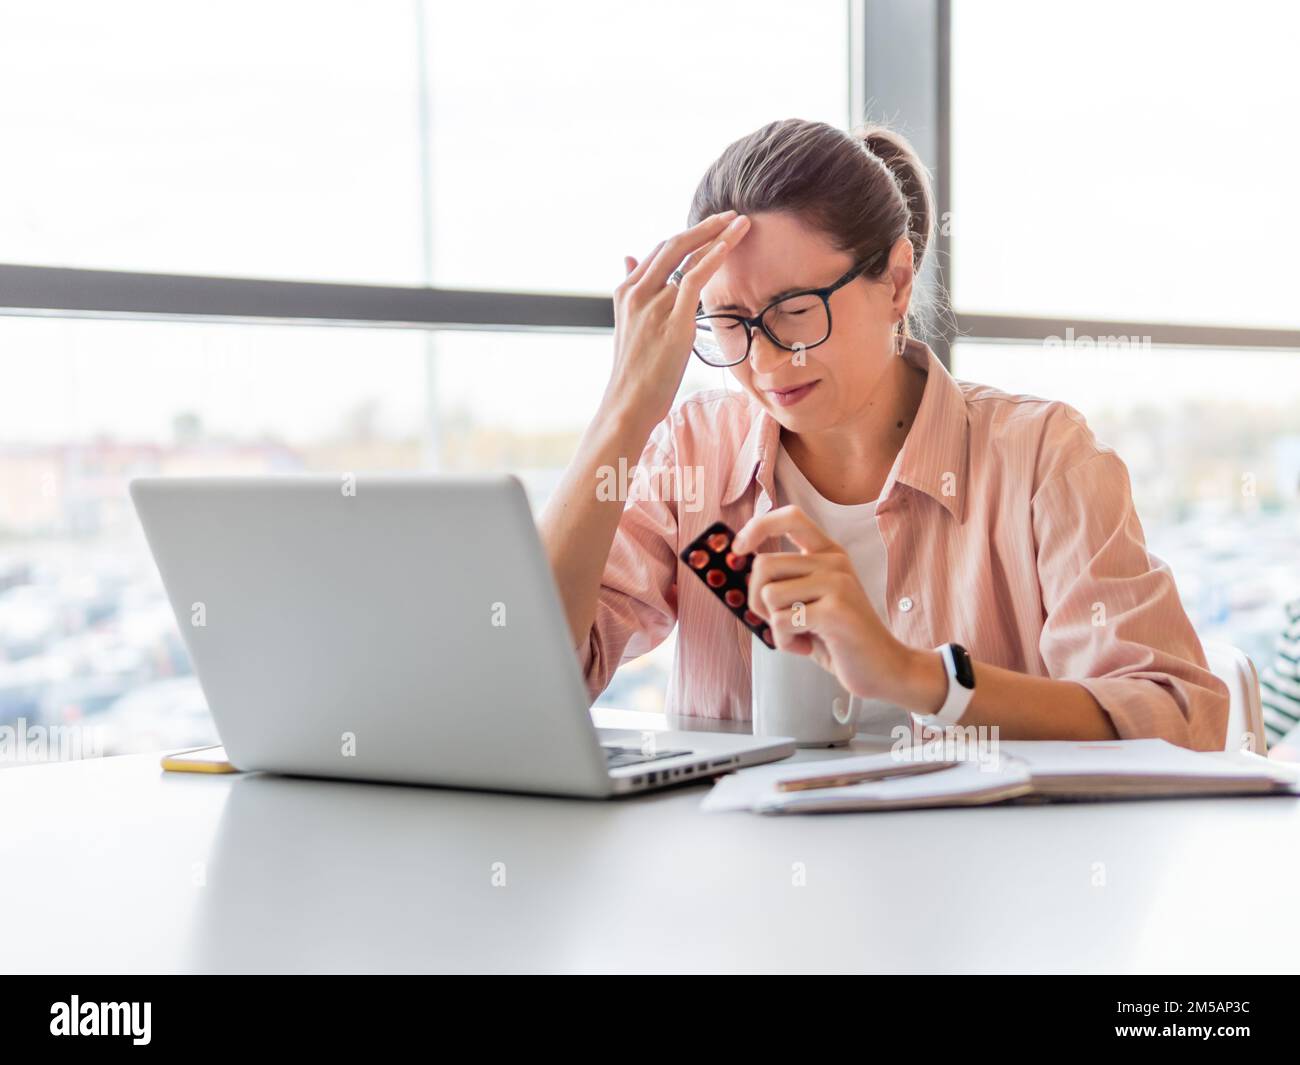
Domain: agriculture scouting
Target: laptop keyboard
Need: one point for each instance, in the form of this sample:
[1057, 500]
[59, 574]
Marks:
[616, 757]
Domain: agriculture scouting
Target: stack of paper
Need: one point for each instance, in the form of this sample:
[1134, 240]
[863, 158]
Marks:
[1144, 769]
[1015, 770]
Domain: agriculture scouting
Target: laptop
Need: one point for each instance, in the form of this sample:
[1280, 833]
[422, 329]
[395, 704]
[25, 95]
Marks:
[396, 628]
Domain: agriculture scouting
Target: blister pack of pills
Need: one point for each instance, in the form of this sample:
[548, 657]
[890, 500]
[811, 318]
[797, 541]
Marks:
[710, 557]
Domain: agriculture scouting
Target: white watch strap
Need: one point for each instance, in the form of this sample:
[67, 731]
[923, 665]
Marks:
[958, 699]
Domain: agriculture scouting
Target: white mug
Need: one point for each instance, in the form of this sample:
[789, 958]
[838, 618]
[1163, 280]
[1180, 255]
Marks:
[793, 696]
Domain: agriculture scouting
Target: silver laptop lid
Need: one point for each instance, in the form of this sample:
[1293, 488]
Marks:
[398, 628]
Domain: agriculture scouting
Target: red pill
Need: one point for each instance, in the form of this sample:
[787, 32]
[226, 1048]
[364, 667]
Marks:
[699, 559]
[734, 597]
[752, 618]
[718, 541]
[735, 561]
[768, 638]
[716, 578]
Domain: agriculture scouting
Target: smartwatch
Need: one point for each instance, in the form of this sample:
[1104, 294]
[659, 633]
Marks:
[961, 685]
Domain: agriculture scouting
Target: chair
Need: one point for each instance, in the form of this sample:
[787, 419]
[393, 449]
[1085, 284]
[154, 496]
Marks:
[1245, 711]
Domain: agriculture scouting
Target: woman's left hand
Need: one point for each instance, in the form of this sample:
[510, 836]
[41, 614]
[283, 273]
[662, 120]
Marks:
[816, 605]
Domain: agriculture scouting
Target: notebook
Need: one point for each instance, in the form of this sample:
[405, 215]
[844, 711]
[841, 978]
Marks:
[1017, 770]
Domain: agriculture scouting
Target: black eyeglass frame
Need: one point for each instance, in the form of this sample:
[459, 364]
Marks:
[757, 322]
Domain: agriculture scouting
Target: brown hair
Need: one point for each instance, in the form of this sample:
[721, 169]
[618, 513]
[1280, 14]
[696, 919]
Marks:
[863, 189]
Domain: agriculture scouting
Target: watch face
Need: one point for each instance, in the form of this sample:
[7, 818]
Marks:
[965, 671]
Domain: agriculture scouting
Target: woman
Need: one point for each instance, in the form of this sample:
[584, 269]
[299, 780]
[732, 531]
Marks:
[922, 511]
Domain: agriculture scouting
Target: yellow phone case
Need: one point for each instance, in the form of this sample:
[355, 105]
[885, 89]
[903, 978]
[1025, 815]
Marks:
[199, 760]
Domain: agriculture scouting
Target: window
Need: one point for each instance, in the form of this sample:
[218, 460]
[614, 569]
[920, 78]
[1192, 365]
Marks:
[87, 638]
[244, 138]
[1125, 161]
[552, 163]
[326, 141]
[1213, 454]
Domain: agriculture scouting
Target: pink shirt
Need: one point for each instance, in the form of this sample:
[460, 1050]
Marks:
[1008, 527]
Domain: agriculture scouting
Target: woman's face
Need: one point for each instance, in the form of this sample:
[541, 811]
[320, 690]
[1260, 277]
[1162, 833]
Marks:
[830, 384]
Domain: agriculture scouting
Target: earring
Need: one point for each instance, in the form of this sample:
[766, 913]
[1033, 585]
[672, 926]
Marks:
[901, 336]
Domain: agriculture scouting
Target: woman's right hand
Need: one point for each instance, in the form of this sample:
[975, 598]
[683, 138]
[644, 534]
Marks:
[654, 321]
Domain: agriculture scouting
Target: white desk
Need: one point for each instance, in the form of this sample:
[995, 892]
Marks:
[113, 865]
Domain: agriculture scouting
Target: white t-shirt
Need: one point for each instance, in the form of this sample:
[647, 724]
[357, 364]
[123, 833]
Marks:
[854, 527]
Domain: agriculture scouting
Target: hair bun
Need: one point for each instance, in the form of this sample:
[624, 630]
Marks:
[913, 179]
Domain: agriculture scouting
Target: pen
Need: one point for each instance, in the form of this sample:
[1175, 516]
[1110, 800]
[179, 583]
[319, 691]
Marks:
[839, 780]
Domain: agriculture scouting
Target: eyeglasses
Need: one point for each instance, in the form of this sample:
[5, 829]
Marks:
[795, 322]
